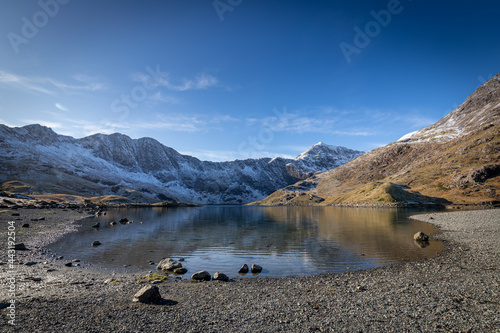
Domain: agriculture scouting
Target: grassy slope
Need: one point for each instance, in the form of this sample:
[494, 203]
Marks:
[407, 172]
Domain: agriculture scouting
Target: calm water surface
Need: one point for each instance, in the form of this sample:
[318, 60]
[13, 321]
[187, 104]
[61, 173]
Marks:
[285, 241]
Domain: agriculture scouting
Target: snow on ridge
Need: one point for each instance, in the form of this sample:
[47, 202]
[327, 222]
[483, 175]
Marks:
[149, 167]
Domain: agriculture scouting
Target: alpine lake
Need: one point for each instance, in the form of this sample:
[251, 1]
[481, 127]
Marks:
[285, 241]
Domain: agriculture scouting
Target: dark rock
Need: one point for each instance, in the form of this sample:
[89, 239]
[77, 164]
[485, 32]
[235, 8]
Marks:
[244, 269]
[148, 294]
[220, 277]
[180, 271]
[19, 246]
[26, 225]
[112, 223]
[123, 220]
[68, 264]
[31, 263]
[420, 237]
[256, 269]
[201, 276]
[97, 225]
[16, 214]
[96, 243]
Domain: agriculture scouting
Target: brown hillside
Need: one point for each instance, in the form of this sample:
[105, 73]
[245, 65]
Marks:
[461, 168]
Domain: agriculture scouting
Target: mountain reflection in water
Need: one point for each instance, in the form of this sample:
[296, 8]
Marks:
[286, 241]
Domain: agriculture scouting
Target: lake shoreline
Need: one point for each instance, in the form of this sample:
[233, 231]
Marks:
[455, 290]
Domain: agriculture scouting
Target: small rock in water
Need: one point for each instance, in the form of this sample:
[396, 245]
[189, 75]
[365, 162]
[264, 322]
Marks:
[220, 277]
[148, 294]
[68, 264]
[256, 268]
[123, 220]
[112, 223]
[244, 269]
[168, 264]
[420, 237]
[201, 276]
[96, 243]
[180, 271]
[97, 225]
[76, 260]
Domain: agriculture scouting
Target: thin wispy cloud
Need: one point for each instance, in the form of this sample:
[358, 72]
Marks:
[48, 85]
[201, 82]
[158, 97]
[186, 123]
[302, 122]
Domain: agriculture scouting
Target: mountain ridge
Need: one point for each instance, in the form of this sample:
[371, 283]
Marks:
[144, 169]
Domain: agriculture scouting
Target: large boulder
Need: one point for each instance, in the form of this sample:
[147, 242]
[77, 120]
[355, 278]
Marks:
[168, 264]
[201, 276]
[218, 276]
[148, 294]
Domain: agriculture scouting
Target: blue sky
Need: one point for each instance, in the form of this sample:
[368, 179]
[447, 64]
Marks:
[232, 79]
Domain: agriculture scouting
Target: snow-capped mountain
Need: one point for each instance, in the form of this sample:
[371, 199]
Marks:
[146, 170]
[478, 109]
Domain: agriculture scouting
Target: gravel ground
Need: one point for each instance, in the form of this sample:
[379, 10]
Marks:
[456, 291]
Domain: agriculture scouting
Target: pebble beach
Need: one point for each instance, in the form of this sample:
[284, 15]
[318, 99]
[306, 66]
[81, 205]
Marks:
[456, 291]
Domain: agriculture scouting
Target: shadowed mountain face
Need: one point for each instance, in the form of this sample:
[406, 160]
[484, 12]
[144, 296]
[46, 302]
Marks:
[456, 160]
[34, 159]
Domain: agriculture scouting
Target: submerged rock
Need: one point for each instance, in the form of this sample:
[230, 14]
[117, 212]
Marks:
[180, 271]
[420, 237]
[256, 268]
[96, 243]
